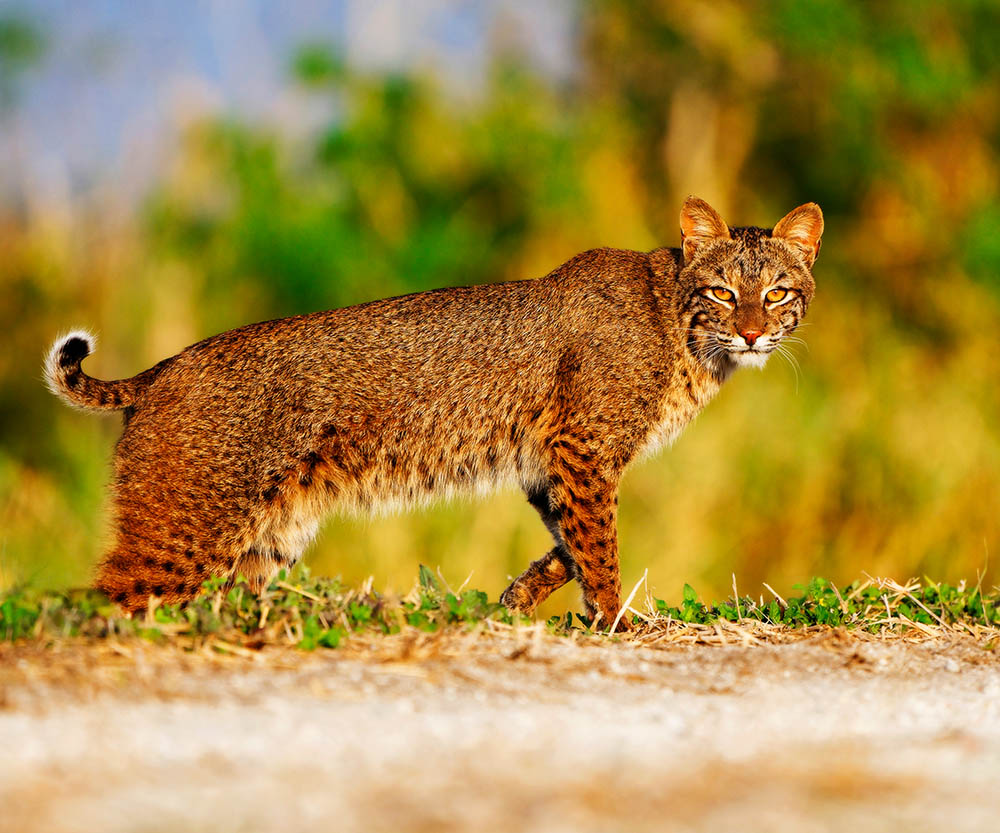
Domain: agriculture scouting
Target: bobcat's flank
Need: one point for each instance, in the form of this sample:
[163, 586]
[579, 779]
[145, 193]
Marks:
[234, 449]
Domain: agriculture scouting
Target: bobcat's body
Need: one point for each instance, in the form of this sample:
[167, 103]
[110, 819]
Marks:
[234, 449]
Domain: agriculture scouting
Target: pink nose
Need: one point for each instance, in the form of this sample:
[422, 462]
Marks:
[751, 336]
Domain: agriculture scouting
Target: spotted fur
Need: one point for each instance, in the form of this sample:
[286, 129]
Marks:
[234, 449]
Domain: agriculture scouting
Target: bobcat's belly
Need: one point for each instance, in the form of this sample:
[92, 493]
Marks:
[397, 476]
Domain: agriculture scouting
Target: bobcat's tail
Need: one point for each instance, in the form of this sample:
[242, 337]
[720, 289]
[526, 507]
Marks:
[65, 378]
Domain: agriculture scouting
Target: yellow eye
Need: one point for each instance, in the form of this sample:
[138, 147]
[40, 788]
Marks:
[776, 295]
[722, 294]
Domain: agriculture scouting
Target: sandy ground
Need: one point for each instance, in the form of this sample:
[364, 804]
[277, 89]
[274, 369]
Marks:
[512, 731]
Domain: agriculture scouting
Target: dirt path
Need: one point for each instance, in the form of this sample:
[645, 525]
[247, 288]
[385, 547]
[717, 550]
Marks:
[505, 732]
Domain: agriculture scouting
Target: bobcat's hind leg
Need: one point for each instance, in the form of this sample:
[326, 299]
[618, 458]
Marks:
[548, 573]
[281, 536]
[168, 564]
[259, 565]
[168, 542]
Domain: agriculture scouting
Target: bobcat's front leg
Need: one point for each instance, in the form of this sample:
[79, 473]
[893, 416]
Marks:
[588, 525]
[585, 500]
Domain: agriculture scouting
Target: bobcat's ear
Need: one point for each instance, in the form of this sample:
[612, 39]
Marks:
[801, 228]
[700, 224]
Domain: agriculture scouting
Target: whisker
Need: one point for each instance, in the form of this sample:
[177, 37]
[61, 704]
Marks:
[796, 340]
[790, 348]
[792, 362]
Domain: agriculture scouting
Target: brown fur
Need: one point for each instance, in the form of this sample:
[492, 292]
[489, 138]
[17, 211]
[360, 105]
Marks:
[235, 448]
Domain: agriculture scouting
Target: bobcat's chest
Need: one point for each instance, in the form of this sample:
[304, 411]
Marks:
[690, 390]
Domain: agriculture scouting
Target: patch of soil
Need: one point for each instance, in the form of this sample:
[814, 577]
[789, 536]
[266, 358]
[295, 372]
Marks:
[513, 730]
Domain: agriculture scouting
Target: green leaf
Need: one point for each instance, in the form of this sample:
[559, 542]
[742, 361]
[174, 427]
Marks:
[428, 580]
[331, 637]
[360, 613]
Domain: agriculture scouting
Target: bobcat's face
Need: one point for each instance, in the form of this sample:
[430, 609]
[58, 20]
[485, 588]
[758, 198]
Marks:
[747, 288]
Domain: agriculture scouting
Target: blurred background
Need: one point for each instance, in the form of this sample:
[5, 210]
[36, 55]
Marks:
[172, 170]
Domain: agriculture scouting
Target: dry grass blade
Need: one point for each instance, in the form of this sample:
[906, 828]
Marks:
[628, 601]
[292, 589]
[776, 595]
[908, 593]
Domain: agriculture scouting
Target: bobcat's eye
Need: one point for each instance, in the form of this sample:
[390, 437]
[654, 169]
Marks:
[775, 295]
[719, 293]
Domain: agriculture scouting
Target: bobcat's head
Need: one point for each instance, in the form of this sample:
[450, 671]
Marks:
[745, 288]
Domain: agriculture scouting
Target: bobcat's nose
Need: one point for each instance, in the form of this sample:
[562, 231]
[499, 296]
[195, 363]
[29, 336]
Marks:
[750, 336]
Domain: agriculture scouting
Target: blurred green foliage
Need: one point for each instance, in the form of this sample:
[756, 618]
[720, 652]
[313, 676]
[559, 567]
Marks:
[882, 455]
[21, 46]
[397, 193]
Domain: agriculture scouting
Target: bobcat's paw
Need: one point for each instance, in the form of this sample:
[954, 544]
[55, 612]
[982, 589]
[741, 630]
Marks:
[601, 622]
[518, 599]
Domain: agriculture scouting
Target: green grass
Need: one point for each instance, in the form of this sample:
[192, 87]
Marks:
[321, 613]
[869, 604]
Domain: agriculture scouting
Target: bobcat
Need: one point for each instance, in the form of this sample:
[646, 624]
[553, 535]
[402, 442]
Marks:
[234, 449]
